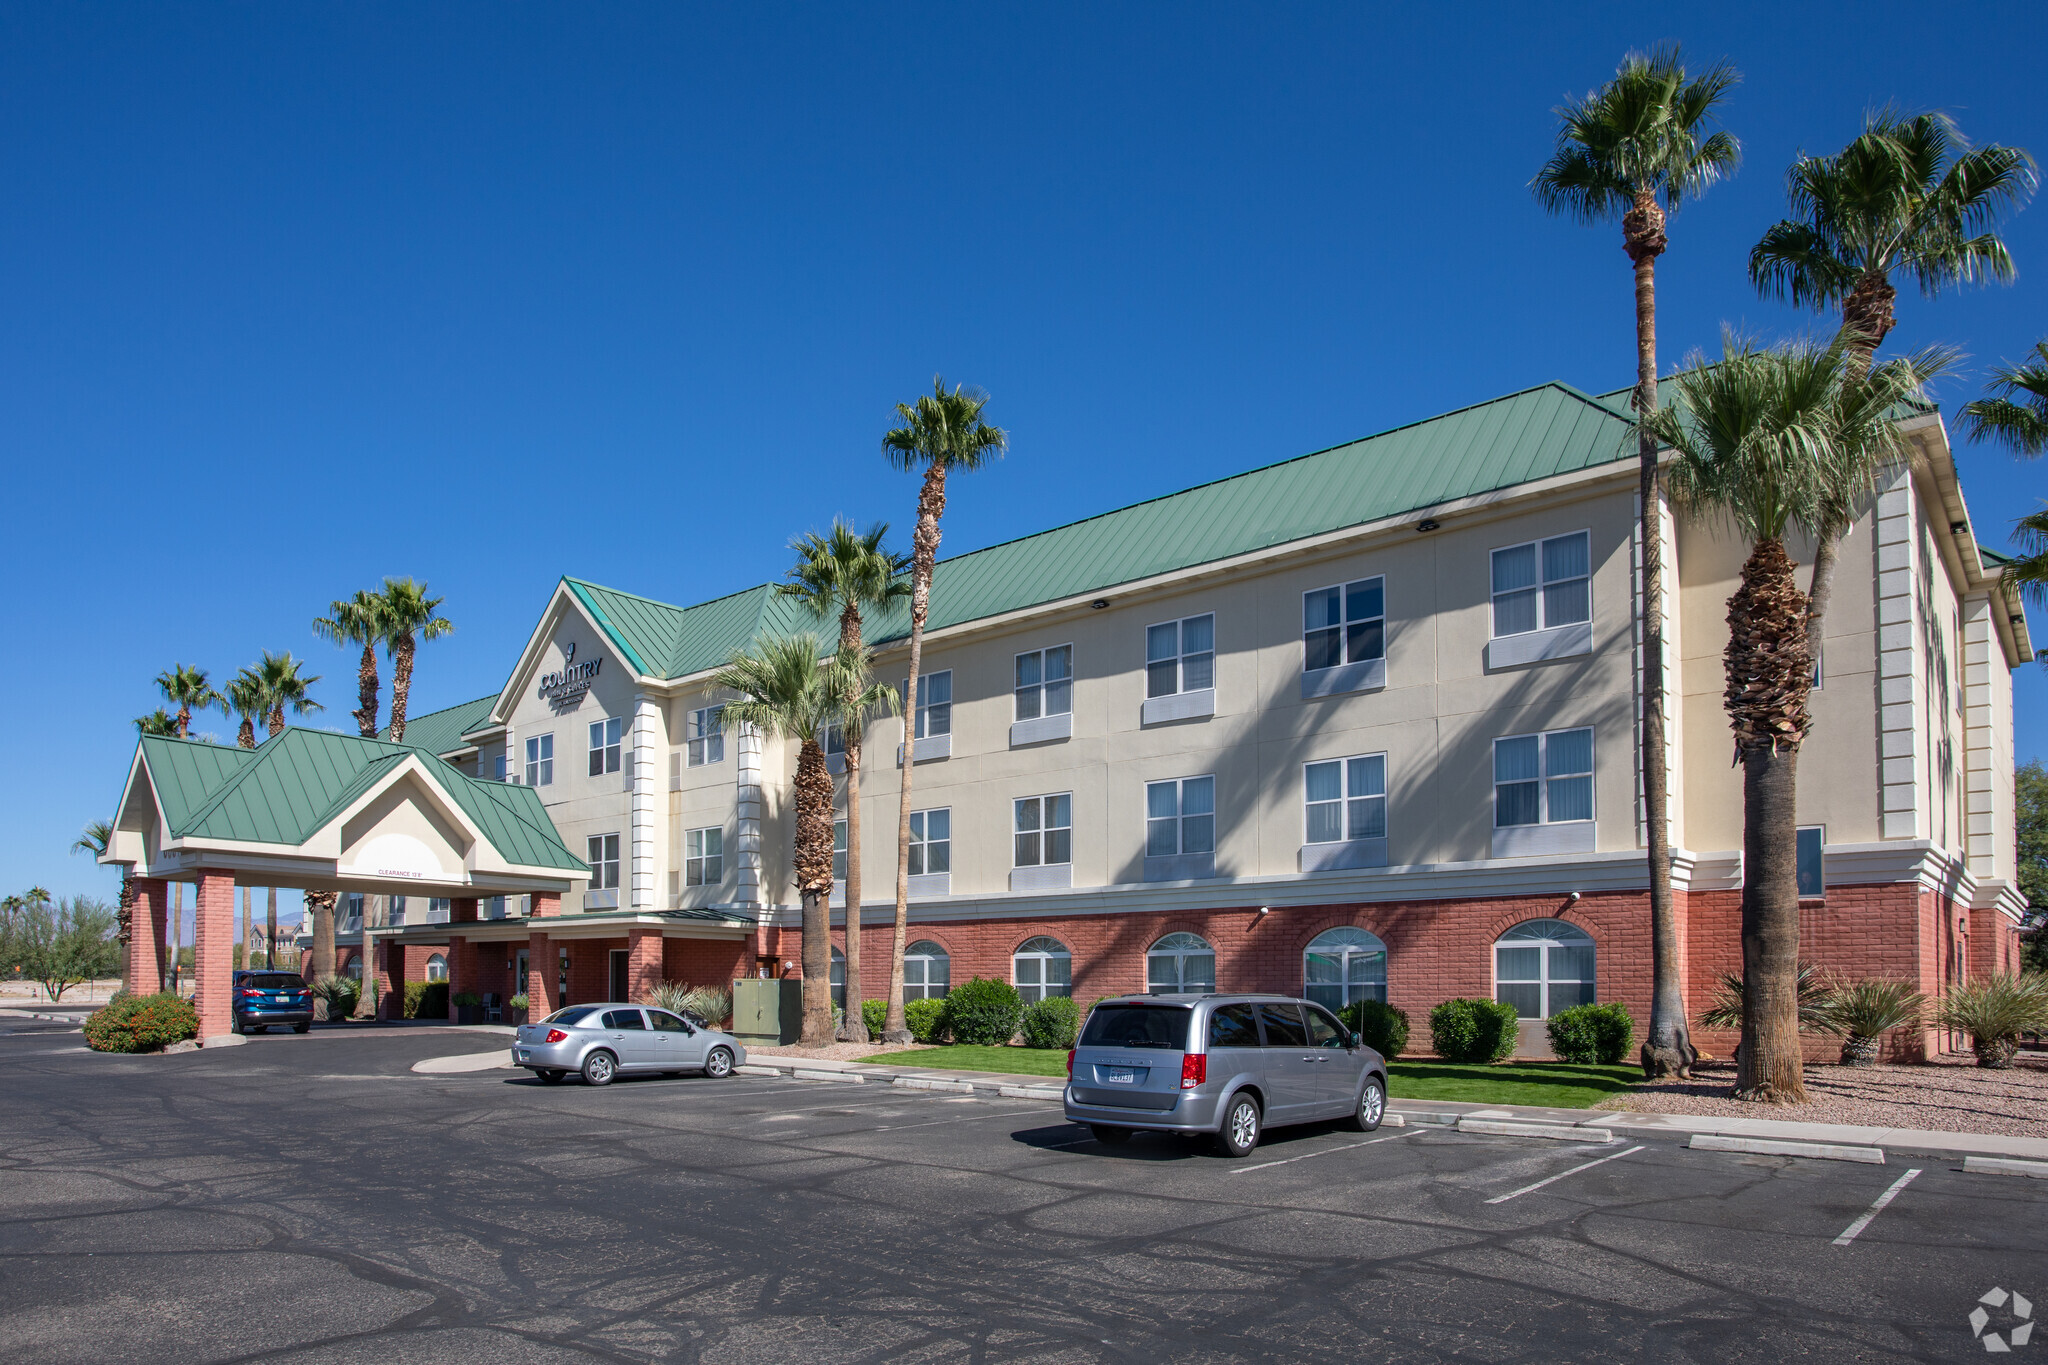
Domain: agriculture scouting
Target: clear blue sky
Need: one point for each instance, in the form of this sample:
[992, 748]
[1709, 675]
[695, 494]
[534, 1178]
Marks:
[296, 296]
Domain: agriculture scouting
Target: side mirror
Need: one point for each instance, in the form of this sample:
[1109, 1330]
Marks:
[1356, 1042]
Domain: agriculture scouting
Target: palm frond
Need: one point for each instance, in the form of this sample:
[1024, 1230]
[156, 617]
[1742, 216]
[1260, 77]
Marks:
[944, 428]
[781, 688]
[1646, 131]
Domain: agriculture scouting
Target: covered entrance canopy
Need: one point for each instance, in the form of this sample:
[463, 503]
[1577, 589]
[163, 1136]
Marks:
[323, 812]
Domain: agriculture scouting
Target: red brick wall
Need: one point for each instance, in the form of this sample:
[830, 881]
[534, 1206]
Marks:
[706, 961]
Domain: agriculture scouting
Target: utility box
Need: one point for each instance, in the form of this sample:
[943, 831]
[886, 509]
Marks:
[767, 1013]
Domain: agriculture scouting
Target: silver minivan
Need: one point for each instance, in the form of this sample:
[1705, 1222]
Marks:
[1227, 1065]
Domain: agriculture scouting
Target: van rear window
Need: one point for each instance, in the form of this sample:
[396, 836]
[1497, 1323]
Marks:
[274, 981]
[1137, 1026]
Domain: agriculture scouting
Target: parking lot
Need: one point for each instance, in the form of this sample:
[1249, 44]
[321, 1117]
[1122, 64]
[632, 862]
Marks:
[313, 1198]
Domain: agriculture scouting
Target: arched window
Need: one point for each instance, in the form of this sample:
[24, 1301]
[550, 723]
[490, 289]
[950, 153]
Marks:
[437, 968]
[927, 971]
[355, 967]
[1043, 967]
[1543, 967]
[1343, 965]
[1180, 964]
[838, 980]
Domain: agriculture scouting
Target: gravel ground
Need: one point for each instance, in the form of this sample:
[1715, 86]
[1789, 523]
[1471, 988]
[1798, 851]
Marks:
[837, 1052]
[1946, 1096]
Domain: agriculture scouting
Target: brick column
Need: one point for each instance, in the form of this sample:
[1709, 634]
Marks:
[643, 962]
[148, 921]
[462, 968]
[391, 972]
[462, 910]
[545, 906]
[213, 954]
[540, 977]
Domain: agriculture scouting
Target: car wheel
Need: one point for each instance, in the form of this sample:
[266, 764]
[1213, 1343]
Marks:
[237, 1026]
[1240, 1131]
[719, 1064]
[1372, 1106]
[301, 1028]
[549, 1076]
[1110, 1136]
[600, 1068]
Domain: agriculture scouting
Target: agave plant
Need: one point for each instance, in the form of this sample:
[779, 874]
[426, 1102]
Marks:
[1726, 1011]
[1995, 1010]
[339, 993]
[1861, 1012]
[711, 1004]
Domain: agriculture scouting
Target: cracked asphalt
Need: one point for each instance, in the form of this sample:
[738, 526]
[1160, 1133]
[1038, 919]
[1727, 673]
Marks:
[310, 1199]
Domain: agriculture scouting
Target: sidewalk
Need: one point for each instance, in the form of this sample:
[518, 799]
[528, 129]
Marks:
[1447, 1113]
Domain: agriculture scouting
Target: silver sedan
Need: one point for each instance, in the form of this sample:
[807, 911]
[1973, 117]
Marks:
[601, 1042]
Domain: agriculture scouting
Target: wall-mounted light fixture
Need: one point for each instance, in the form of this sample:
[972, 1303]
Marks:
[1099, 603]
[1572, 899]
[1427, 524]
[1956, 528]
[1265, 909]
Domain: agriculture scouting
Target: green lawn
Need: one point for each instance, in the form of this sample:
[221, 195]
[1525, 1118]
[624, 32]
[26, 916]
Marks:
[1025, 1061]
[1558, 1085]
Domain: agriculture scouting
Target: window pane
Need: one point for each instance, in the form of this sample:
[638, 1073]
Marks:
[1059, 971]
[1233, 1026]
[1198, 796]
[936, 688]
[917, 826]
[1527, 1000]
[1368, 969]
[1198, 834]
[1369, 817]
[1564, 603]
[1569, 964]
[1197, 671]
[1162, 679]
[1516, 803]
[938, 856]
[1514, 613]
[1028, 702]
[1518, 964]
[936, 719]
[1027, 850]
[1514, 569]
[1027, 670]
[1027, 813]
[1811, 880]
[1059, 846]
[1321, 967]
[1059, 810]
[1162, 642]
[1159, 838]
[1325, 822]
[1283, 1026]
[1514, 760]
[1059, 698]
[1368, 775]
[1365, 599]
[1198, 635]
[1321, 608]
[1566, 557]
[1323, 781]
[914, 864]
[1322, 649]
[1567, 752]
[1569, 997]
[938, 823]
[1571, 798]
[1027, 971]
[1160, 798]
[1198, 972]
[1059, 663]
[714, 842]
[1365, 640]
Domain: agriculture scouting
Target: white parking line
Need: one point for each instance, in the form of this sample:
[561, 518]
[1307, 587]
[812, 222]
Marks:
[1264, 1165]
[1530, 1189]
[1849, 1233]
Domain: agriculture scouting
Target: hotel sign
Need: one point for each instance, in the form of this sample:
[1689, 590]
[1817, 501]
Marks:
[566, 686]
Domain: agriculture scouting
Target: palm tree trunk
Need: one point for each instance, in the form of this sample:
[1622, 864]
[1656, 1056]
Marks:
[1866, 318]
[321, 903]
[1668, 1051]
[184, 720]
[401, 685]
[924, 546]
[855, 1029]
[813, 802]
[366, 697]
[274, 722]
[1769, 1067]
[245, 737]
[270, 931]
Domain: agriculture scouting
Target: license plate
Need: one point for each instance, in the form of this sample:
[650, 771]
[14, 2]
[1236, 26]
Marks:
[1119, 1075]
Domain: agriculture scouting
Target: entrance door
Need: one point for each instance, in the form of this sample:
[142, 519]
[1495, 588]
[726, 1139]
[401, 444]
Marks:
[519, 982]
[621, 959]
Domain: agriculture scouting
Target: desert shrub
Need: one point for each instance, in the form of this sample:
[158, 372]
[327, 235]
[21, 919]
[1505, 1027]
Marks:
[517, 1002]
[141, 1023]
[1592, 1033]
[1726, 1011]
[712, 1004]
[984, 1012]
[926, 1020]
[874, 1013]
[1052, 1022]
[426, 999]
[1995, 1010]
[340, 994]
[1379, 1025]
[1861, 1012]
[1473, 1030]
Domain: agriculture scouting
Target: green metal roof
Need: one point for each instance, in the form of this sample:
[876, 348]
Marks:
[440, 732]
[1535, 434]
[293, 786]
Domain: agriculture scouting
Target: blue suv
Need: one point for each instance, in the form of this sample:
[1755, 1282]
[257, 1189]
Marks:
[266, 998]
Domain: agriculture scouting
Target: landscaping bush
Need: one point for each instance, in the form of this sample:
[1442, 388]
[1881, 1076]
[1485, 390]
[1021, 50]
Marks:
[984, 1012]
[1379, 1025]
[465, 1000]
[1726, 1011]
[141, 1023]
[1860, 1013]
[1995, 1011]
[339, 994]
[874, 1013]
[926, 1020]
[426, 1000]
[1052, 1022]
[1592, 1033]
[1473, 1030]
[712, 1004]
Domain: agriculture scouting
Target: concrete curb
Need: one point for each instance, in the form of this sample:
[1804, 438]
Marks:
[48, 1018]
[1556, 1132]
[925, 1083]
[1823, 1151]
[752, 1070]
[843, 1076]
[1031, 1092]
[1992, 1165]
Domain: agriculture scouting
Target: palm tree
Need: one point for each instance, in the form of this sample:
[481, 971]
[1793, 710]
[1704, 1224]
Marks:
[783, 689]
[157, 722]
[410, 618]
[2016, 416]
[1636, 149]
[1908, 196]
[320, 905]
[358, 620]
[844, 572]
[941, 432]
[1765, 441]
[246, 696]
[94, 840]
[283, 687]
[188, 687]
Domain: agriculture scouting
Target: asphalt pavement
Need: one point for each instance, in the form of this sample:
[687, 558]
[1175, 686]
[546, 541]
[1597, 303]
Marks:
[313, 1199]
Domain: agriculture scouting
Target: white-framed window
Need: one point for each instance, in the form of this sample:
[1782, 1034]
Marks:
[1346, 798]
[604, 746]
[437, 967]
[704, 856]
[1044, 830]
[1544, 779]
[439, 908]
[1045, 682]
[603, 850]
[397, 912]
[1812, 873]
[835, 739]
[1180, 656]
[348, 912]
[1543, 967]
[927, 971]
[540, 760]
[1343, 965]
[1042, 967]
[705, 736]
[934, 703]
[1180, 963]
[494, 908]
[1180, 817]
[931, 841]
[838, 980]
[1345, 624]
[1542, 583]
[839, 850]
